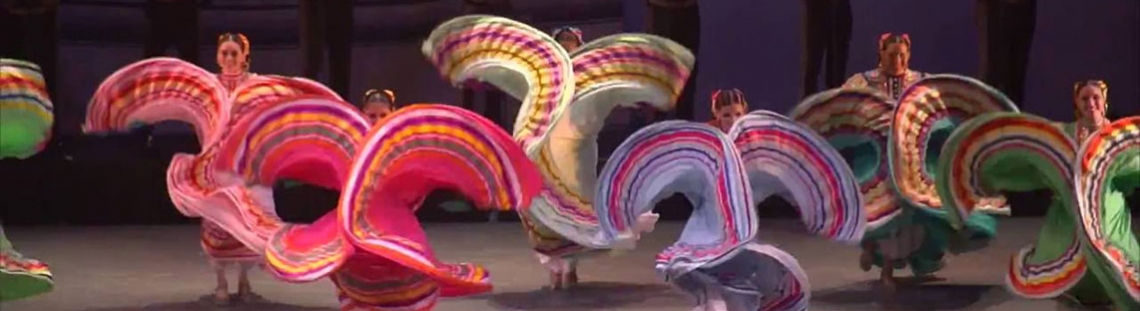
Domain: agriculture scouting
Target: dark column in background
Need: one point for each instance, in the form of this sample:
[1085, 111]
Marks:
[172, 23]
[30, 31]
[493, 100]
[1006, 35]
[679, 20]
[827, 36]
[327, 23]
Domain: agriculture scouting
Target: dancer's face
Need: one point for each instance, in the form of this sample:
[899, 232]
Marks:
[895, 59]
[1090, 102]
[376, 110]
[568, 42]
[727, 115]
[231, 58]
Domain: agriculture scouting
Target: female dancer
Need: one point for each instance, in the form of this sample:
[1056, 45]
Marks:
[893, 75]
[728, 105]
[893, 153]
[562, 114]
[569, 37]
[718, 259]
[379, 257]
[1090, 99]
[222, 248]
[165, 89]
[1085, 250]
[1108, 170]
[379, 104]
[25, 125]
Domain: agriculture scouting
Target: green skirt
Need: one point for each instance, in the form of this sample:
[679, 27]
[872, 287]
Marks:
[20, 277]
[938, 239]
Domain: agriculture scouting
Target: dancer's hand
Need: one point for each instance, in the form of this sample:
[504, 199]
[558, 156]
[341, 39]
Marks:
[647, 222]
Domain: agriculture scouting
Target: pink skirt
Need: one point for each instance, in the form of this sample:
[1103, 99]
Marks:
[223, 248]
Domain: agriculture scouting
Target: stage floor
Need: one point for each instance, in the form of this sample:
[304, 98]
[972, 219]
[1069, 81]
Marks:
[161, 268]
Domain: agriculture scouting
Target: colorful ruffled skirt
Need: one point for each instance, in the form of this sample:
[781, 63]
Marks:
[222, 248]
[21, 277]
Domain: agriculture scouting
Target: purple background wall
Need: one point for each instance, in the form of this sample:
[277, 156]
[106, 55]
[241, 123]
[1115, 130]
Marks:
[753, 45]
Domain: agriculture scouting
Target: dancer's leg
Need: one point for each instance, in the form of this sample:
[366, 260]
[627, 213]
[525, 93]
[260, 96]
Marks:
[245, 289]
[887, 274]
[556, 268]
[571, 277]
[555, 280]
[221, 291]
[867, 258]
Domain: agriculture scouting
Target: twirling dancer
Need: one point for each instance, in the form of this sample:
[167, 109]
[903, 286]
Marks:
[784, 158]
[160, 89]
[857, 123]
[899, 150]
[728, 105]
[1010, 152]
[703, 164]
[25, 126]
[565, 101]
[221, 248]
[213, 185]
[927, 113]
[372, 246]
[717, 259]
[1017, 152]
[893, 75]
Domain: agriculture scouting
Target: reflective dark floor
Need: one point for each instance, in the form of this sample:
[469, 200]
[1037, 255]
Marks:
[156, 268]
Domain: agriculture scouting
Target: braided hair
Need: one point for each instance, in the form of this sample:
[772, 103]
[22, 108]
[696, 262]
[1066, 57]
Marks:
[375, 95]
[887, 39]
[726, 97]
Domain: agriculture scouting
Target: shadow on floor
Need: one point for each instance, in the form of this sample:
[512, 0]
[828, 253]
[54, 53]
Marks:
[206, 303]
[915, 294]
[591, 296]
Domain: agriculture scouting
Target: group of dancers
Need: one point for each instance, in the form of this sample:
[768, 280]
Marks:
[907, 165]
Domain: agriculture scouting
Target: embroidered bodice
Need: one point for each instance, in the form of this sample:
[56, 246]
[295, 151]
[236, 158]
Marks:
[893, 86]
[231, 81]
[1077, 132]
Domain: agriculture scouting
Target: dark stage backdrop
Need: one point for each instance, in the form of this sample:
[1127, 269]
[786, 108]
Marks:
[752, 45]
[755, 46]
